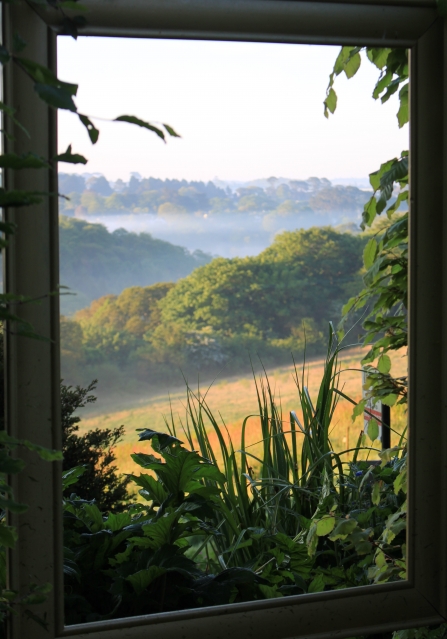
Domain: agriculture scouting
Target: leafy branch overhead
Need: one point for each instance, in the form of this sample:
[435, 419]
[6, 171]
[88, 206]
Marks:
[385, 256]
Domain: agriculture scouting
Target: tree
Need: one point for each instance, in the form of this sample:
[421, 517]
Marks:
[93, 450]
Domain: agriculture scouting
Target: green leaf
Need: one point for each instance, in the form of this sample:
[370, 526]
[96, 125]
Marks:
[92, 131]
[352, 65]
[8, 536]
[152, 489]
[372, 429]
[131, 119]
[70, 158]
[375, 495]
[159, 532]
[389, 400]
[25, 161]
[57, 97]
[71, 476]
[164, 439]
[370, 252]
[171, 131]
[331, 101]
[344, 528]
[94, 514]
[143, 578]
[359, 409]
[325, 526]
[317, 584]
[384, 364]
[18, 198]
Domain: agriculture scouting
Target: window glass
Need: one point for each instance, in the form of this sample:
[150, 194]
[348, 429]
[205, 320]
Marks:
[210, 247]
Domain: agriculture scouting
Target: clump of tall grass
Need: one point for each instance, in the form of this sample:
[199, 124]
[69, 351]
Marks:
[279, 490]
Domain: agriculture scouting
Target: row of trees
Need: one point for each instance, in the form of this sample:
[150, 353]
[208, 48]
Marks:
[173, 197]
[269, 305]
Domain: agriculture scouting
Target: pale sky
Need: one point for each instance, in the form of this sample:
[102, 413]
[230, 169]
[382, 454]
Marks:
[244, 110]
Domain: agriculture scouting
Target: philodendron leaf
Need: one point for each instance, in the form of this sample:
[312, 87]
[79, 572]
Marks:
[164, 439]
[325, 526]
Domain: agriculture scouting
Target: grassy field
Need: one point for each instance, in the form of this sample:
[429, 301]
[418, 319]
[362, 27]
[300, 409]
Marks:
[234, 398]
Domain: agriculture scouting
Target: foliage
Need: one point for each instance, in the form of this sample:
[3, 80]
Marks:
[171, 198]
[301, 520]
[95, 262]
[385, 256]
[93, 451]
[270, 304]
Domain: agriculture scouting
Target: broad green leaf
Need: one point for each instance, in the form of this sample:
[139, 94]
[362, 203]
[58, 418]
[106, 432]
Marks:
[43, 75]
[344, 528]
[57, 97]
[117, 521]
[400, 483]
[131, 119]
[384, 364]
[325, 526]
[153, 489]
[372, 429]
[317, 584]
[71, 476]
[389, 400]
[369, 253]
[331, 101]
[402, 114]
[158, 533]
[375, 495]
[95, 515]
[359, 409]
[352, 65]
[8, 536]
[143, 578]
[164, 439]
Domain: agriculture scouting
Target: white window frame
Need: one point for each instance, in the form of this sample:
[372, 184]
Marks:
[31, 268]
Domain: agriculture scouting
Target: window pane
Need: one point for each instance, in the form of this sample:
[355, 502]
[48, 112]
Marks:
[207, 312]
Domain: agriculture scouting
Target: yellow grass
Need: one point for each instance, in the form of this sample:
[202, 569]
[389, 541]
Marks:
[233, 399]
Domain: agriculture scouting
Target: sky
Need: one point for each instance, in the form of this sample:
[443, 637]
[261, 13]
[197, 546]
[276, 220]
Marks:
[244, 110]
